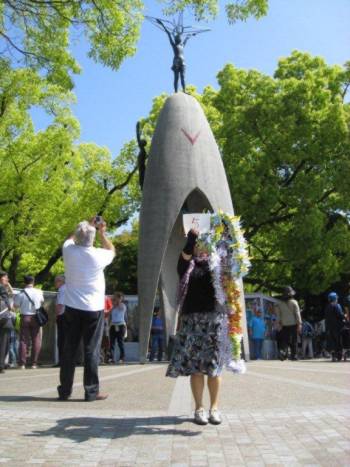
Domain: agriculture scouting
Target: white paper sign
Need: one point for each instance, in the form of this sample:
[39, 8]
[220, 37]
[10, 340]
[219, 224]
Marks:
[199, 222]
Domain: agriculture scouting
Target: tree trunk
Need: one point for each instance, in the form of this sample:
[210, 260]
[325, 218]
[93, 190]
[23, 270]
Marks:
[44, 273]
[12, 271]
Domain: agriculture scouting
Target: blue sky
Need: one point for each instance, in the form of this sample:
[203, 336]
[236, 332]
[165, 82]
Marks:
[110, 103]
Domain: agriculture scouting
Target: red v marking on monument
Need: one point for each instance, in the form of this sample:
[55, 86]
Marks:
[191, 139]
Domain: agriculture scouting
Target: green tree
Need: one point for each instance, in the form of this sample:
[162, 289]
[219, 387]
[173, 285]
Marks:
[39, 33]
[122, 273]
[285, 143]
[236, 10]
[47, 181]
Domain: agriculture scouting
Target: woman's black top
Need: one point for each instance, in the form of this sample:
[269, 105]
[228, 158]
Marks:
[334, 317]
[5, 323]
[200, 297]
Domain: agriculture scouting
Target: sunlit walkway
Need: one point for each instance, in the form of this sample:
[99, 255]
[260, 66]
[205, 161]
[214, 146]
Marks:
[279, 413]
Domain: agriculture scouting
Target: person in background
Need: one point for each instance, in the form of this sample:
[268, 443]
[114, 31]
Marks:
[276, 330]
[6, 318]
[347, 304]
[84, 298]
[345, 338]
[105, 355]
[320, 339]
[257, 329]
[307, 336]
[289, 320]
[335, 319]
[14, 341]
[60, 322]
[13, 346]
[117, 329]
[157, 336]
[28, 301]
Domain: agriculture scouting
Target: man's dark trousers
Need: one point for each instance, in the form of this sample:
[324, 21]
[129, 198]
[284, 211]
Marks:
[119, 335]
[156, 345]
[61, 333]
[4, 344]
[89, 326]
[289, 338]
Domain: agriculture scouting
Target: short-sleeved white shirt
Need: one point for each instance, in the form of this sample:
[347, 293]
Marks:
[84, 276]
[22, 302]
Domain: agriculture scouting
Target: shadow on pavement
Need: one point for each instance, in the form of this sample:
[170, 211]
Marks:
[34, 399]
[315, 360]
[80, 429]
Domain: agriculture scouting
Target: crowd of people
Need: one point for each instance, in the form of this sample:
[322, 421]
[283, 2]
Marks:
[18, 318]
[299, 338]
[18, 352]
[22, 344]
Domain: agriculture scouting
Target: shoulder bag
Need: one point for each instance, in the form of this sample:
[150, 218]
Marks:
[40, 313]
[5, 313]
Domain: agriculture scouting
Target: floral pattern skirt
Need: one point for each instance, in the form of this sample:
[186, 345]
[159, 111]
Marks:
[197, 345]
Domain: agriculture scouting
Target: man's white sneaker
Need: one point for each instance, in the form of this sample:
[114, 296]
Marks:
[215, 417]
[200, 417]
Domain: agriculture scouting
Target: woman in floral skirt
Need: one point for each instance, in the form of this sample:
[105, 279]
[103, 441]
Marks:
[197, 350]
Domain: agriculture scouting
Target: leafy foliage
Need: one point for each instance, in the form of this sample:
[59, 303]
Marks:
[237, 10]
[122, 273]
[39, 33]
[285, 142]
[48, 182]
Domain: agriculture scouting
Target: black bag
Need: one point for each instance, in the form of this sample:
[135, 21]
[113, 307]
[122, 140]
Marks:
[5, 315]
[41, 315]
[5, 307]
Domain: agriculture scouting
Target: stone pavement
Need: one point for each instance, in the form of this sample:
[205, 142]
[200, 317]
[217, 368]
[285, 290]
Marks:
[278, 414]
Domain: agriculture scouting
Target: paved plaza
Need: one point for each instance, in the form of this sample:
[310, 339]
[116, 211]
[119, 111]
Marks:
[278, 414]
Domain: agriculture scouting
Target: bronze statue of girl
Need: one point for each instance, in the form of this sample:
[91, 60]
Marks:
[178, 36]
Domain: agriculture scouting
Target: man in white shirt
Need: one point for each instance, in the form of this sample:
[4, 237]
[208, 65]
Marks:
[84, 297]
[6, 321]
[28, 301]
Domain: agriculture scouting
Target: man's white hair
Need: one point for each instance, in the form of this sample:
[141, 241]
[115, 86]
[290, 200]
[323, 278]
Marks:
[60, 277]
[85, 234]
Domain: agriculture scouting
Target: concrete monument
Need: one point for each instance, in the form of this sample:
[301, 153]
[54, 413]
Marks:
[184, 173]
